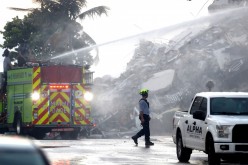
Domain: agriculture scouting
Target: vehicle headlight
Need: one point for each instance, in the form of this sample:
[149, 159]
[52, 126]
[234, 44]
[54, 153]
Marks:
[35, 96]
[88, 96]
[223, 131]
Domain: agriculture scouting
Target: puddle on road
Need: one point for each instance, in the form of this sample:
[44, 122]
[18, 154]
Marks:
[74, 161]
[53, 146]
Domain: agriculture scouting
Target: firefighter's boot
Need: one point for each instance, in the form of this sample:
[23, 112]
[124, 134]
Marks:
[135, 139]
[149, 143]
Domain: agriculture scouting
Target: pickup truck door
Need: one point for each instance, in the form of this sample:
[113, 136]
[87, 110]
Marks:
[196, 128]
[188, 121]
[203, 123]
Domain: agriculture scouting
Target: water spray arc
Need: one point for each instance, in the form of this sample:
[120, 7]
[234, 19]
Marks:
[203, 21]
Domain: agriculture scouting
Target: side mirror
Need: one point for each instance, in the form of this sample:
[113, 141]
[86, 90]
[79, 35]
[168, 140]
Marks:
[200, 115]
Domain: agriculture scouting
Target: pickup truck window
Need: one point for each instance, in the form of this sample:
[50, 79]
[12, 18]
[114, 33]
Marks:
[229, 106]
[196, 105]
[203, 106]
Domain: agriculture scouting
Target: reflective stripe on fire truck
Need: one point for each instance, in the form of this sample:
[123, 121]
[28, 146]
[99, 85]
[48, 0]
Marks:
[59, 106]
[82, 107]
[42, 107]
[36, 84]
[36, 79]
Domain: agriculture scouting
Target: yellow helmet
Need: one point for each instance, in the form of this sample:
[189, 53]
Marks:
[144, 91]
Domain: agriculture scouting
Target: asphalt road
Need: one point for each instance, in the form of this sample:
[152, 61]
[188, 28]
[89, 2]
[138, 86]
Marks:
[117, 152]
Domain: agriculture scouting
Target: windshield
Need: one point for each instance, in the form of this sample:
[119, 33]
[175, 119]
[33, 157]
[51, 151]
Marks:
[229, 106]
[21, 157]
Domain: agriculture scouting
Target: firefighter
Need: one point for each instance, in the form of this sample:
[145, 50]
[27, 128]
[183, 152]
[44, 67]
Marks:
[21, 61]
[6, 66]
[144, 116]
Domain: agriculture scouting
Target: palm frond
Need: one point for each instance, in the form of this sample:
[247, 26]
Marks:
[21, 9]
[41, 1]
[99, 10]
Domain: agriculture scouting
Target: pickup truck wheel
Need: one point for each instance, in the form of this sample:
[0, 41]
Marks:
[183, 153]
[228, 158]
[213, 158]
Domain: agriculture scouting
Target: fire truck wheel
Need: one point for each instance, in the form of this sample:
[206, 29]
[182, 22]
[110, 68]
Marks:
[18, 126]
[3, 130]
[69, 135]
[74, 135]
[38, 134]
[64, 135]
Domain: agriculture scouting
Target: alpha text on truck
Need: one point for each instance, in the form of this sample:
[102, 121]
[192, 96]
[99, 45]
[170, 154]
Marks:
[47, 98]
[216, 123]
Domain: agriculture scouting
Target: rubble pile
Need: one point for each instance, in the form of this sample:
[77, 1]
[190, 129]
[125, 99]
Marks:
[213, 57]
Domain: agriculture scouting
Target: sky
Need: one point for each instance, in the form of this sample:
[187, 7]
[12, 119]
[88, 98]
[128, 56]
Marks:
[125, 19]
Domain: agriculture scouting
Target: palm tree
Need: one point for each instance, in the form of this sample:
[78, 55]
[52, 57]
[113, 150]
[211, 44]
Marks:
[71, 8]
[65, 13]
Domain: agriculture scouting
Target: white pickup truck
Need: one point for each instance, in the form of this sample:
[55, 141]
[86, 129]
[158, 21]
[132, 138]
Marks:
[216, 123]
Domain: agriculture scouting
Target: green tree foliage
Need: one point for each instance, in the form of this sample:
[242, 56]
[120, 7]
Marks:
[52, 30]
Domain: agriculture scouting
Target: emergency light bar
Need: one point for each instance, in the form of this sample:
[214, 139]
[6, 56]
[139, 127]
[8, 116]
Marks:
[59, 86]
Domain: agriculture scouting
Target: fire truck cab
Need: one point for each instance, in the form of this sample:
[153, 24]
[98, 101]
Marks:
[47, 98]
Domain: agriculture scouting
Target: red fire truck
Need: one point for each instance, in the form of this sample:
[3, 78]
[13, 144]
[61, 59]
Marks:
[43, 99]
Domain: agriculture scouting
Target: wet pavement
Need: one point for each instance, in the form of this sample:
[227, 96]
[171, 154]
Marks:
[116, 152]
